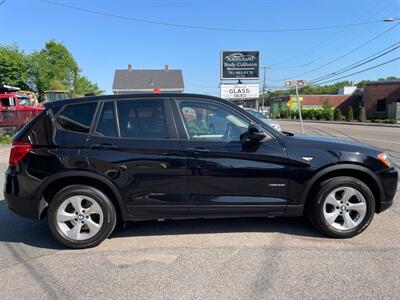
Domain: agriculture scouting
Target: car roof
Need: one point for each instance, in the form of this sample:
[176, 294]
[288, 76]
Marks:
[131, 96]
[7, 95]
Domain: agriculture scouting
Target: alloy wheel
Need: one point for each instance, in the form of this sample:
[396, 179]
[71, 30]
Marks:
[344, 208]
[79, 217]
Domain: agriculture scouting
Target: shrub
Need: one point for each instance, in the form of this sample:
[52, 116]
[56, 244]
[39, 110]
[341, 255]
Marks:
[312, 113]
[5, 139]
[285, 114]
[363, 116]
[328, 115]
[337, 114]
[319, 114]
[390, 121]
[305, 114]
[350, 116]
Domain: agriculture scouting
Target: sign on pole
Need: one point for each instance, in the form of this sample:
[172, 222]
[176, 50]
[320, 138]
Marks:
[296, 83]
[240, 91]
[290, 83]
[240, 65]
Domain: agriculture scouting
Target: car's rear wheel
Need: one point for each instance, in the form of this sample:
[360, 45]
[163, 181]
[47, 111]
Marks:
[81, 216]
[343, 207]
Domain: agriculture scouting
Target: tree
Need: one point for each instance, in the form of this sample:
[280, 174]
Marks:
[53, 68]
[338, 114]
[362, 116]
[328, 110]
[14, 67]
[327, 105]
[350, 116]
[82, 86]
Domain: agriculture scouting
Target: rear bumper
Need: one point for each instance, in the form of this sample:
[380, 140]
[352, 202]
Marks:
[21, 196]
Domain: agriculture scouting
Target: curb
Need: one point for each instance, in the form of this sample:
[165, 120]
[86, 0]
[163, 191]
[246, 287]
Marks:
[342, 123]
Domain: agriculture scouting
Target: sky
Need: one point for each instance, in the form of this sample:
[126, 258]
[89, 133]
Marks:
[100, 44]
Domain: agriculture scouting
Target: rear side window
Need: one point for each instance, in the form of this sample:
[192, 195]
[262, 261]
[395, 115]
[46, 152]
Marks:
[142, 119]
[106, 125]
[77, 117]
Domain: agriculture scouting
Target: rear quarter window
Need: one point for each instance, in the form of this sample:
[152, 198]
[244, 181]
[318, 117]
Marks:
[77, 117]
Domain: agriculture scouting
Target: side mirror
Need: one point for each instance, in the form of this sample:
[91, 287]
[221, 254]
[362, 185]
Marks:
[254, 133]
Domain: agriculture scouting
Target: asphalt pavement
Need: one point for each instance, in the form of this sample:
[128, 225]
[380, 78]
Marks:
[246, 258]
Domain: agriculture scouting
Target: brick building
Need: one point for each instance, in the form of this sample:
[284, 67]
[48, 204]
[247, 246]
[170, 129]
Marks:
[382, 99]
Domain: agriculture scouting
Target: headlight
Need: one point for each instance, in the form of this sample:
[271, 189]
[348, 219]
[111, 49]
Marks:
[384, 158]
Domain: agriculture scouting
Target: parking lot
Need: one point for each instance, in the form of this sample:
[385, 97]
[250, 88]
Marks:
[211, 259]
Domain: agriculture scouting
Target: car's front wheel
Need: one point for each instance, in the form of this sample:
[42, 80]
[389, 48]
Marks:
[343, 207]
[81, 216]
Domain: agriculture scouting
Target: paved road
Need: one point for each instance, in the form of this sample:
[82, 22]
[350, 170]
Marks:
[210, 259]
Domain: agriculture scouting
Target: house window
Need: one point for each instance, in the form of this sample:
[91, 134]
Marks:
[381, 105]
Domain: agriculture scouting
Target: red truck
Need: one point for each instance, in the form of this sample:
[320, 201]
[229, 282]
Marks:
[16, 110]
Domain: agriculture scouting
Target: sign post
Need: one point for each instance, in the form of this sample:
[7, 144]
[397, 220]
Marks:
[296, 84]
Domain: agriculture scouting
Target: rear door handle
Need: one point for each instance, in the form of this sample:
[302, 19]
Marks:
[197, 150]
[104, 146]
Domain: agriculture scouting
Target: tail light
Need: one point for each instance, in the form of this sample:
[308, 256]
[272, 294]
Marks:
[18, 151]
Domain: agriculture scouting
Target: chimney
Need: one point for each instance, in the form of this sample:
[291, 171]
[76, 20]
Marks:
[129, 67]
[166, 68]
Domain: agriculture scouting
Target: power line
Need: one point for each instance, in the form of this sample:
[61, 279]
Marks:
[198, 27]
[355, 65]
[322, 43]
[361, 71]
[347, 53]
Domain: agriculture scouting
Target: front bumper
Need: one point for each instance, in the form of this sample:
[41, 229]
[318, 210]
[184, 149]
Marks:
[389, 178]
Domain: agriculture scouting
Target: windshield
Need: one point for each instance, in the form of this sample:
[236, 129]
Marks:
[25, 101]
[256, 114]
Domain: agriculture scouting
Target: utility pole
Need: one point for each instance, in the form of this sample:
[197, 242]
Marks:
[264, 68]
[299, 107]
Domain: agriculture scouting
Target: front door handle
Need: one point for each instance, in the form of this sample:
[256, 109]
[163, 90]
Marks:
[197, 150]
[104, 146]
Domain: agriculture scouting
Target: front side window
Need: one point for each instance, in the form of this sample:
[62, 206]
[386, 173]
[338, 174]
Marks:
[142, 119]
[77, 117]
[212, 122]
[106, 125]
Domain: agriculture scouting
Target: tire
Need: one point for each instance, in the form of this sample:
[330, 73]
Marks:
[336, 215]
[81, 216]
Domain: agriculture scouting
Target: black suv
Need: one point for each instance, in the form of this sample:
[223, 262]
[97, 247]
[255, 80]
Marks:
[87, 163]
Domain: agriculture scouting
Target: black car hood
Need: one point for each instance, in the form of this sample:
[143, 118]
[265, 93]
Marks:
[329, 143]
